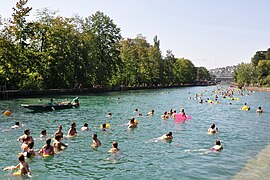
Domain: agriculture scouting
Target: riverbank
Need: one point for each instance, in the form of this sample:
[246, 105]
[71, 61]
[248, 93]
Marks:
[254, 88]
[12, 94]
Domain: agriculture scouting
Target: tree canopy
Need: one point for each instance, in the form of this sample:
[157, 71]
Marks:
[59, 52]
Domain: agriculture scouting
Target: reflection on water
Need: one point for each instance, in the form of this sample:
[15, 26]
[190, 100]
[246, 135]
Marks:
[144, 156]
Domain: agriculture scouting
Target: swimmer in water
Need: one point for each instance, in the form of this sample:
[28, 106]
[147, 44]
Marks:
[132, 123]
[43, 133]
[24, 146]
[47, 148]
[96, 142]
[151, 113]
[72, 130]
[104, 127]
[26, 134]
[165, 115]
[23, 166]
[114, 147]
[59, 132]
[16, 125]
[167, 136]
[57, 144]
[85, 127]
[259, 110]
[213, 129]
[218, 146]
[109, 114]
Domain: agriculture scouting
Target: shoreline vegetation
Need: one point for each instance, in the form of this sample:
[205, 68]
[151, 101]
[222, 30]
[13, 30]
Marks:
[56, 52]
[12, 94]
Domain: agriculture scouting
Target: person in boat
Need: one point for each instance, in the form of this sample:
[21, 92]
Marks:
[72, 130]
[85, 127]
[51, 102]
[59, 132]
[16, 125]
[114, 147]
[213, 129]
[218, 146]
[165, 115]
[132, 123]
[151, 113]
[95, 141]
[23, 166]
[75, 102]
[167, 136]
[57, 144]
[259, 110]
[26, 134]
[47, 149]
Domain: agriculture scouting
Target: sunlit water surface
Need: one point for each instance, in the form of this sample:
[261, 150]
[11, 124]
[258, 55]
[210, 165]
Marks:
[244, 135]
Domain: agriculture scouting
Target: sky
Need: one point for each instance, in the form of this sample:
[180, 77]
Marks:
[210, 33]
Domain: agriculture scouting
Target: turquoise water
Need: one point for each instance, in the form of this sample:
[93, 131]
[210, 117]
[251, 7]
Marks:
[244, 135]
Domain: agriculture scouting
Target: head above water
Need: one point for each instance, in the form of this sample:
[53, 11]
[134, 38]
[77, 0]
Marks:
[169, 134]
[115, 144]
[21, 157]
[94, 136]
[85, 125]
[17, 123]
[213, 126]
[218, 142]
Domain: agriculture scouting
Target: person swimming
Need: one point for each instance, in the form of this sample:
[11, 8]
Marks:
[259, 110]
[245, 107]
[47, 149]
[151, 113]
[85, 127]
[114, 147]
[43, 133]
[132, 123]
[165, 115]
[23, 166]
[72, 130]
[16, 125]
[218, 146]
[95, 141]
[109, 114]
[213, 129]
[167, 136]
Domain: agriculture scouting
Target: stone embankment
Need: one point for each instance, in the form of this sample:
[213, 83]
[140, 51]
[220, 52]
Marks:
[254, 88]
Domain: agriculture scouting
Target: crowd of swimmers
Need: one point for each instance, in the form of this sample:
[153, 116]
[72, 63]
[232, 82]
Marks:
[48, 149]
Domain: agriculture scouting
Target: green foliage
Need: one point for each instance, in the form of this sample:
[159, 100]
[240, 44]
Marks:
[59, 52]
[257, 71]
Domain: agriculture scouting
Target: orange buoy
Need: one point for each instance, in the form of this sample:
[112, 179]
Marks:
[7, 113]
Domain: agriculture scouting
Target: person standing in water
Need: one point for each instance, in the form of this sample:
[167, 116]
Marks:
[72, 131]
[23, 166]
[47, 149]
[59, 132]
[114, 147]
[96, 142]
[259, 110]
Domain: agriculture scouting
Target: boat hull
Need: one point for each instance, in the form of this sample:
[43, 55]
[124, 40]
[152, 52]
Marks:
[47, 107]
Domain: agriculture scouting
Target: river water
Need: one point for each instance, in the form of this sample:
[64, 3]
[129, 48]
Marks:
[245, 136]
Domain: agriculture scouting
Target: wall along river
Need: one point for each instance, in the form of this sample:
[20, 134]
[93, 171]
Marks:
[245, 136]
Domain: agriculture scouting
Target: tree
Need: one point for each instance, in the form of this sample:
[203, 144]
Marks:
[107, 37]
